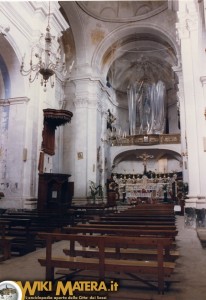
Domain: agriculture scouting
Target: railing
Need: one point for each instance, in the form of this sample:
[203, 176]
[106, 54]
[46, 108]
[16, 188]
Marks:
[152, 139]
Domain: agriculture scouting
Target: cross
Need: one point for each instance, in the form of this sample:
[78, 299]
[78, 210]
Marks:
[145, 157]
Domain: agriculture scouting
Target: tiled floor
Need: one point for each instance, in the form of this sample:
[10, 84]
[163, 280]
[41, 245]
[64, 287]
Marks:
[189, 277]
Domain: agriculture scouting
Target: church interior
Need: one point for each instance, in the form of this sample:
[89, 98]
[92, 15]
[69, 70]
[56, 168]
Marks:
[108, 103]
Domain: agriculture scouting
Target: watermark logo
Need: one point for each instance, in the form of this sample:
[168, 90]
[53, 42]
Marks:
[60, 290]
[10, 290]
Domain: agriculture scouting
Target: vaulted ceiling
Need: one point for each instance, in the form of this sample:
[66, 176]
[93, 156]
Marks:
[122, 11]
[143, 52]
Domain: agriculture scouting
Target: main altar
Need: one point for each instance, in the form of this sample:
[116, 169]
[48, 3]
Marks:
[148, 187]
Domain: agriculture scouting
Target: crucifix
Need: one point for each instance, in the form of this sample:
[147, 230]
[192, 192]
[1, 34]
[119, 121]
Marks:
[145, 157]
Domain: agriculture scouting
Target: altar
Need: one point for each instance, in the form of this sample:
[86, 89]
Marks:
[145, 188]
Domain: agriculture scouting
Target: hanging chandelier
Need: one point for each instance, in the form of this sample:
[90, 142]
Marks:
[44, 60]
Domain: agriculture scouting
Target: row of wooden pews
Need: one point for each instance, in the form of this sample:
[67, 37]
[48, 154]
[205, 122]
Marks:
[138, 243]
[84, 213]
[19, 230]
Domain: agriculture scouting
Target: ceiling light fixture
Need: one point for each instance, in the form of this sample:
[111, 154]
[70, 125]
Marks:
[44, 60]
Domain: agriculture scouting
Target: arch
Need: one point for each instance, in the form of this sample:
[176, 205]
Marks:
[5, 80]
[131, 158]
[102, 57]
[10, 64]
[77, 27]
[116, 152]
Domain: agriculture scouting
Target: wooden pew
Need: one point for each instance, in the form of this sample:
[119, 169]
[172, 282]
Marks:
[22, 241]
[146, 254]
[164, 206]
[84, 212]
[149, 213]
[134, 226]
[47, 220]
[158, 268]
[120, 231]
[101, 206]
[134, 222]
[149, 209]
[134, 217]
[5, 241]
[144, 212]
[42, 221]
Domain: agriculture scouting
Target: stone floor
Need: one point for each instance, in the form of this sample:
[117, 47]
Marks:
[189, 279]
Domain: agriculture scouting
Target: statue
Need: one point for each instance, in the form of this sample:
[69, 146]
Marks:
[110, 120]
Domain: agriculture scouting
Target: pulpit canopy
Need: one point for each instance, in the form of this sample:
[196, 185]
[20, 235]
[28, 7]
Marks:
[57, 117]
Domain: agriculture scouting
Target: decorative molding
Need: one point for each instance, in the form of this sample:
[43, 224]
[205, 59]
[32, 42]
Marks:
[182, 26]
[118, 18]
[148, 140]
[84, 103]
[192, 22]
[13, 101]
[170, 139]
[80, 102]
[183, 30]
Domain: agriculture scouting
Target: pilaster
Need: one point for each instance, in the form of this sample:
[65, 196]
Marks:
[13, 154]
[87, 102]
[187, 28]
[181, 110]
[189, 34]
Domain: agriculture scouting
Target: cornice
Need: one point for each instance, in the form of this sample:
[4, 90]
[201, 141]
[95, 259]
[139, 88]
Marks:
[55, 14]
[12, 10]
[108, 94]
[8, 9]
[13, 101]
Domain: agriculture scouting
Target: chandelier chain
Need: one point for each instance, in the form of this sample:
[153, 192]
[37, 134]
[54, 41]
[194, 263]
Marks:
[49, 17]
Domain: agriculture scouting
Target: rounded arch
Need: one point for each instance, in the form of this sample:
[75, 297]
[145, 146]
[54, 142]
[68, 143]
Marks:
[104, 54]
[13, 82]
[173, 149]
[131, 160]
[78, 29]
[5, 82]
